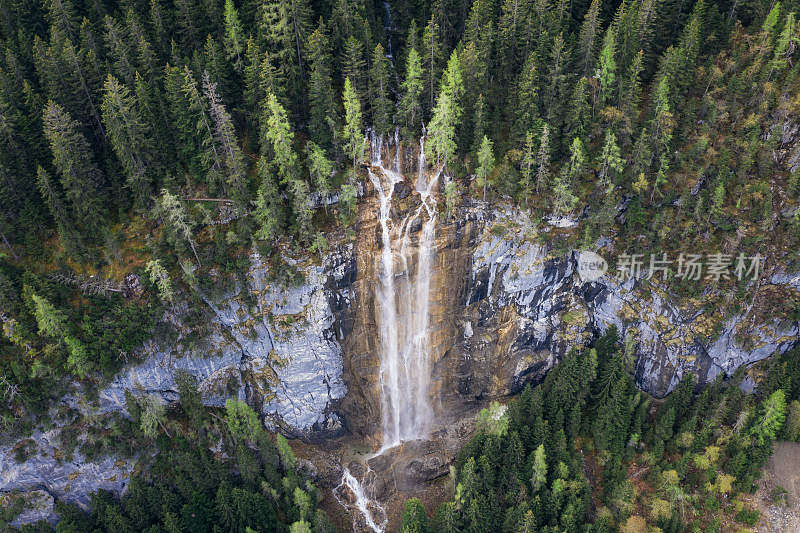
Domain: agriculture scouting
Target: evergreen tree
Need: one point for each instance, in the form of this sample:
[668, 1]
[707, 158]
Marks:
[354, 68]
[277, 140]
[527, 117]
[173, 212]
[233, 163]
[446, 115]
[610, 164]
[528, 166]
[543, 158]
[322, 108]
[410, 106]
[285, 26]
[432, 58]
[320, 169]
[131, 139]
[352, 134]
[74, 161]
[485, 164]
[608, 67]
[587, 41]
[234, 35]
[380, 103]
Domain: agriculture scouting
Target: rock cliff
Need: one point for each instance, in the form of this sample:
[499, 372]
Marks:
[505, 307]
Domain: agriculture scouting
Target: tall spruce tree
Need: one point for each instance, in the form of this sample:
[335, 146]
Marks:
[410, 106]
[131, 138]
[380, 102]
[81, 180]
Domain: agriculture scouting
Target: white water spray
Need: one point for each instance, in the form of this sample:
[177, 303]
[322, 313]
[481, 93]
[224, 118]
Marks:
[402, 301]
[367, 507]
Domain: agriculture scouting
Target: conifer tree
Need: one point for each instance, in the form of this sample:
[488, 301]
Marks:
[234, 35]
[58, 210]
[587, 41]
[355, 66]
[320, 169]
[173, 212]
[608, 67]
[527, 99]
[485, 164]
[73, 159]
[410, 106]
[610, 164]
[539, 470]
[543, 158]
[528, 166]
[285, 26]
[785, 45]
[432, 57]
[352, 134]
[131, 139]
[120, 50]
[380, 103]
[233, 163]
[446, 115]
[320, 88]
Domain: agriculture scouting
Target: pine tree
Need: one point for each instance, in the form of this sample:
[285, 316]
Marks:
[320, 169]
[528, 166]
[446, 114]
[485, 164]
[610, 163]
[285, 26]
[527, 117]
[587, 41]
[432, 57]
[539, 470]
[119, 45]
[320, 88]
[174, 214]
[352, 134]
[410, 107]
[608, 67]
[131, 139]
[354, 67]
[543, 158]
[198, 109]
[160, 278]
[64, 226]
[73, 159]
[233, 163]
[380, 103]
[478, 123]
[234, 35]
[277, 141]
[785, 45]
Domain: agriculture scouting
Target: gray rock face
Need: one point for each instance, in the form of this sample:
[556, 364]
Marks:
[508, 309]
[44, 475]
[556, 311]
[277, 350]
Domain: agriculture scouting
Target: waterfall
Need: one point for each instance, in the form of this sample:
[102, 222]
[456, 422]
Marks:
[402, 304]
[367, 507]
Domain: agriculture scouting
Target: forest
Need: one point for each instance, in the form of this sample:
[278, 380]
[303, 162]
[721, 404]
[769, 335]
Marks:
[148, 145]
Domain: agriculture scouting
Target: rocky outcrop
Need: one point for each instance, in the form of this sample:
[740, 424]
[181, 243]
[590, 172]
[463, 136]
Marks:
[505, 307]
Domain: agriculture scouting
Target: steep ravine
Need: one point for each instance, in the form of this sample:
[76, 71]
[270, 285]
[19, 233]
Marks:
[504, 308]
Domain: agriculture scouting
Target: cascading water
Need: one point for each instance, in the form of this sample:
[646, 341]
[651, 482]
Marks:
[402, 302]
[368, 508]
